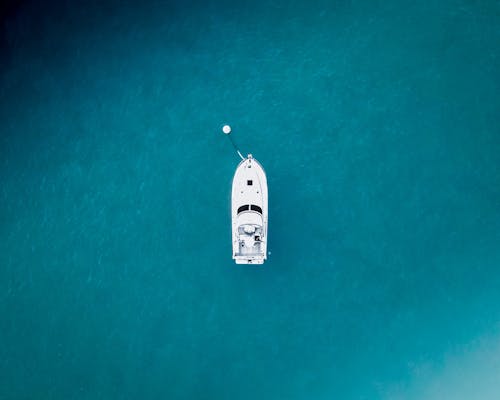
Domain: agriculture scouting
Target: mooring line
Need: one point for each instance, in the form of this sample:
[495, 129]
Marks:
[227, 131]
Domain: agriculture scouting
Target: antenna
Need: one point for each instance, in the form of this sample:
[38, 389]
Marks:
[227, 131]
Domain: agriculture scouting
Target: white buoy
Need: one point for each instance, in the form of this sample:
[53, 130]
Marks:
[226, 129]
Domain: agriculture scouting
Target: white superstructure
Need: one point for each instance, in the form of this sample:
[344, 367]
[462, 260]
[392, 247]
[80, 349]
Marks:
[249, 213]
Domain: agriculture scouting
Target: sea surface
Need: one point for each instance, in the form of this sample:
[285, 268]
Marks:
[378, 125]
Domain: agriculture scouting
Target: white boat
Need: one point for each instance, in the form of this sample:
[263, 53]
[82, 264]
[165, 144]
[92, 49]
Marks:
[249, 213]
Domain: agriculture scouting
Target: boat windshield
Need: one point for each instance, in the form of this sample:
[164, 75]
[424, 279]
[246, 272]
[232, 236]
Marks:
[253, 207]
[243, 208]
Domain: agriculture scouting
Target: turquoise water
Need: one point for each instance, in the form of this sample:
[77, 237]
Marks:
[378, 126]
